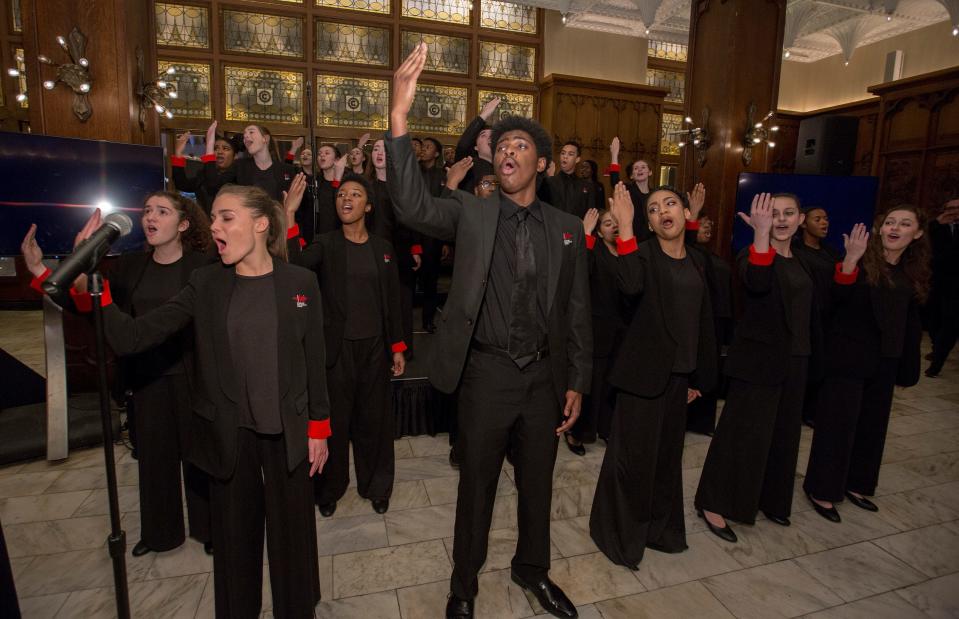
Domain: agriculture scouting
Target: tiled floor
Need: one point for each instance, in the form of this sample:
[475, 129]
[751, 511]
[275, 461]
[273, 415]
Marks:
[902, 562]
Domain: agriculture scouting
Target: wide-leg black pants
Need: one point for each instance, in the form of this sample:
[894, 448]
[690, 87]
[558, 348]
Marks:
[500, 404]
[163, 410]
[850, 434]
[597, 414]
[751, 463]
[639, 495]
[360, 413]
[263, 487]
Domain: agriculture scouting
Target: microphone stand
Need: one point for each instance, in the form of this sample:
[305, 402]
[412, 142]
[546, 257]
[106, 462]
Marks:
[117, 541]
[314, 183]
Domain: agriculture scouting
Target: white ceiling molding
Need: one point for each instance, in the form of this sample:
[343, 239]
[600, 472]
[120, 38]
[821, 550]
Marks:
[952, 6]
[850, 33]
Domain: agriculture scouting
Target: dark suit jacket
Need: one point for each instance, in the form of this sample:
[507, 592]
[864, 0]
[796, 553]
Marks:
[327, 258]
[243, 170]
[205, 302]
[644, 362]
[471, 223]
[609, 308]
[576, 199]
[466, 147]
[205, 184]
[640, 219]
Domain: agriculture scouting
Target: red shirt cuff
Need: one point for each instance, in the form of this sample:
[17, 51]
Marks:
[416, 250]
[208, 158]
[626, 247]
[692, 224]
[613, 167]
[319, 429]
[293, 231]
[178, 162]
[761, 260]
[290, 156]
[36, 282]
[302, 242]
[84, 300]
[590, 241]
[398, 347]
[845, 278]
[335, 184]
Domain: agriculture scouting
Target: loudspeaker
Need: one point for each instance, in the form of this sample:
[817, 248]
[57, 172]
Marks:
[827, 145]
[893, 68]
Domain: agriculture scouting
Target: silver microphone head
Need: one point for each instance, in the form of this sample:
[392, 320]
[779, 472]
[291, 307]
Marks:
[119, 221]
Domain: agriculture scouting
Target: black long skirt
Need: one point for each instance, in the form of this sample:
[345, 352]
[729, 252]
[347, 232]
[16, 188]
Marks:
[639, 495]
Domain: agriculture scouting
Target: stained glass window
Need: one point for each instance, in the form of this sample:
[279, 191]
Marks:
[504, 61]
[674, 81]
[263, 95]
[438, 109]
[507, 16]
[446, 54]
[370, 6]
[347, 43]
[193, 88]
[259, 33]
[669, 144]
[17, 16]
[511, 103]
[182, 25]
[451, 11]
[22, 79]
[667, 51]
[352, 102]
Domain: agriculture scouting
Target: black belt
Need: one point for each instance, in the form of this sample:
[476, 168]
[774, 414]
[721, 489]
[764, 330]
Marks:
[539, 355]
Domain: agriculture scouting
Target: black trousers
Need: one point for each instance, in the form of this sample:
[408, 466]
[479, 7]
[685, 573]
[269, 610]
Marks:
[850, 434]
[596, 417]
[701, 414]
[428, 275]
[163, 412]
[407, 284]
[263, 487]
[360, 413]
[500, 404]
[639, 495]
[751, 463]
[811, 401]
[946, 332]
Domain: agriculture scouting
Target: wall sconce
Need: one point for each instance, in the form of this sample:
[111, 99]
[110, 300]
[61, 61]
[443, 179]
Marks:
[154, 94]
[757, 133]
[75, 74]
[697, 136]
[16, 72]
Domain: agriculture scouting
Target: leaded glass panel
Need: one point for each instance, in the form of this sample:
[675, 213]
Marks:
[669, 141]
[352, 102]
[451, 11]
[667, 51]
[369, 6]
[337, 42]
[193, 88]
[446, 54]
[511, 103]
[673, 80]
[182, 25]
[17, 15]
[505, 61]
[507, 16]
[438, 109]
[260, 33]
[22, 78]
[263, 95]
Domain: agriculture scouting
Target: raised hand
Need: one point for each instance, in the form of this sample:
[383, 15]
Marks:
[760, 219]
[614, 150]
[363, 140]
[91, 226]
[210, 137]
[32, 254]
[297, 143]
[340, 166]
[404, 88]
[697, 198]
[621, 206]
[590, 219]
[181, 141]
[488, 108]
[856, 243]
[457, 172]
[399, 364]
[551, 170]
[293, 197]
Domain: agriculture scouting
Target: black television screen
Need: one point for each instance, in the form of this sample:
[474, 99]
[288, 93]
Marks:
[848, 200]
[57, 182]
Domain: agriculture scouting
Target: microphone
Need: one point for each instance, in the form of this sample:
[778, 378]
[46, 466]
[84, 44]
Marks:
[87, 255]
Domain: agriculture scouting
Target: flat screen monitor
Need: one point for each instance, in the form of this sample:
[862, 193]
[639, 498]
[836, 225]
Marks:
[57, 182]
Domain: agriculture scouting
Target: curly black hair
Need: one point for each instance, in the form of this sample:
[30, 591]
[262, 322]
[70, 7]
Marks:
[541, 139]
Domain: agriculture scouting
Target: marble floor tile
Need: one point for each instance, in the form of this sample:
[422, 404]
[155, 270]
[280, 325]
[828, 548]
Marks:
[859, 571]
[402, 449]
[73, 571]
[937, 598]
[53, 536]
[170, 598]
[938, 469]
[27, 484]
[417, 525]
[857, 525]
[574, 473]
[498, 597]
[205, 608]
[77, 459]
[339, 535]
[382, 605]
[438, 445]
[412, 469]
[900, 477]
[766, 542]
[884, 606]
[42, 606]
[504, 512]
[443, 490]
[382, 569]
[499, 550]
[944, 494]
[406, 495]
[703, 558]
[92, 478]
[911, 425]
[914, 509]
[17, 510]
[690, 599]
[97, 503]
[691, 482]
[931, 404]
[776, 590]
[571, 536]
[694, 455]
[933, 550]
[590, 578]
[190, 558]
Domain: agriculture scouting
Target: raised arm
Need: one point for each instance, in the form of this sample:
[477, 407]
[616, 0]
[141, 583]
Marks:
[756, 270]
[630, 267]
[128, 335]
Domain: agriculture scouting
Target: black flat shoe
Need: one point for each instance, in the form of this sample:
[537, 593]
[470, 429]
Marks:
[579, 450]
[550, 597]
[932, 372]
[380, 505]
[862, 502]
[831, 513]
[454, 458]
[724, 533]
[140, 549]
[327, 509]
[208, 548]
[457, 608]
[781, 521]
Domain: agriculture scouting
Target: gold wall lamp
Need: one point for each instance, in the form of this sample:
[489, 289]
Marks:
[757, 133]
[698, 136]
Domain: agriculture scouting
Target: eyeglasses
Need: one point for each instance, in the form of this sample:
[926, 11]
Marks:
[489, 184]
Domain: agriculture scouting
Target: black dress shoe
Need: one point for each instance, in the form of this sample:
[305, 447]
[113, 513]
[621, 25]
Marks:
[780, 520]
[724, 533]
[208, 548]
[141, 549]
[933, 372]
[862, 502]
[550, 597]
[380, 505]
[454, 458]
[429, 327]
[579, 450]
[829, 513]
[327, 509]
[457, 608]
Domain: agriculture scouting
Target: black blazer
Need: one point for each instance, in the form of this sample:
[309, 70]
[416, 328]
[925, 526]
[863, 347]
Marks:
[243, 172]
[205, 184]
[471, 222]
[466, 147]
[327, 258]
[205, 302]
[644, 362]
[640, 220]
[609, 308]
[580, 198]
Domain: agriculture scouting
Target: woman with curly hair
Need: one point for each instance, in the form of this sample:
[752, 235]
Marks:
[873, 345]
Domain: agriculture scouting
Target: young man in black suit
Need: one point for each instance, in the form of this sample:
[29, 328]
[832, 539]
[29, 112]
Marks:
[514, 337]
[565, 190]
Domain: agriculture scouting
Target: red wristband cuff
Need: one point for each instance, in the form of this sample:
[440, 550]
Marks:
[761, 260]
[290, 156]
[81, 300]
[845, 278]
[692, 224]
[36, 282]
[416, 250]
[319, 429]
[613, 167]
[398, 347]
[178, 162]
[293, 231]
[302, 242]
[208, 158]
[335, 184]
[626, 247]
[590, 241]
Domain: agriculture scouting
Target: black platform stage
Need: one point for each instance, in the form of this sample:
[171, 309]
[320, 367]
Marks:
[419, 408]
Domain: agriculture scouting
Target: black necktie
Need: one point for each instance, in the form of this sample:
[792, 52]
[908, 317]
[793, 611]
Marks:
[522, 324]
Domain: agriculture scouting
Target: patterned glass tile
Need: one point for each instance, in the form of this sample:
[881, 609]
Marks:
[352, 102]
[369, 6]
[337, 42]
[17, 15]
[451, 11]
[438, 109]
[511, 103]
[507, 16]
[674, 81]
[669, 144]
[263, 95]
[22, 79]
[504, 61]
[667, 51]
[259, 33]
[193, 88]
[446, 54]
[182, 25]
